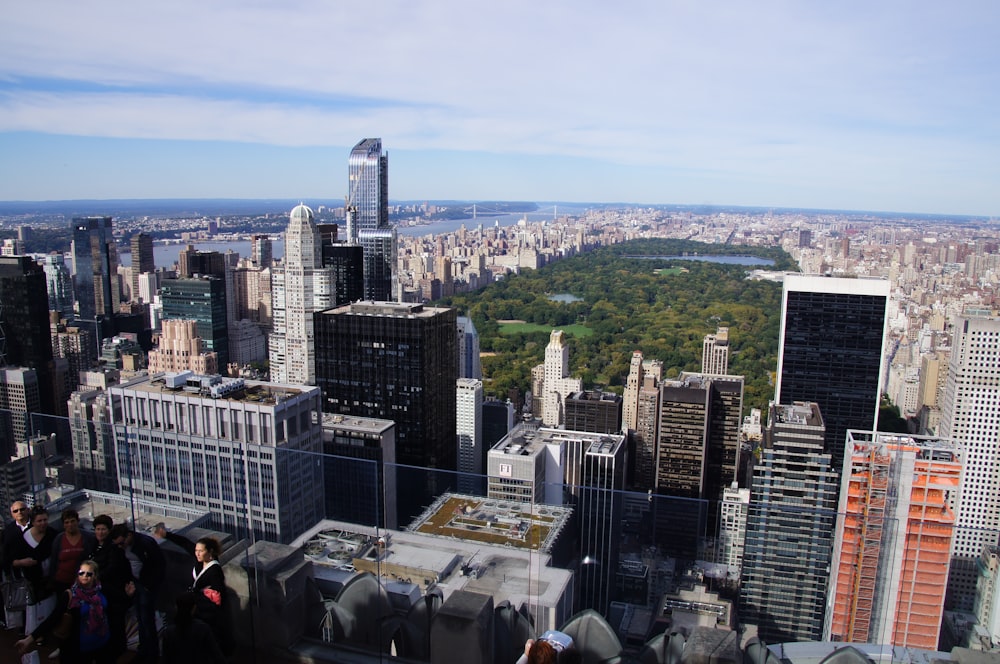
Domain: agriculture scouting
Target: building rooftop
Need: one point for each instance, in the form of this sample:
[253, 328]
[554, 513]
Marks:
[491, 521]
[215, 387]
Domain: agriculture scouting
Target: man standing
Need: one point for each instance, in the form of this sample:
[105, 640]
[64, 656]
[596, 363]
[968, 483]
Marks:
[148, 567]
[13, 534]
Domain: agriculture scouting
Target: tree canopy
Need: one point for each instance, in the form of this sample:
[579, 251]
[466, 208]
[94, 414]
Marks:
[659, 306]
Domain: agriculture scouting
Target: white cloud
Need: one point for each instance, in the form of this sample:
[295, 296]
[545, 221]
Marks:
[770, 88]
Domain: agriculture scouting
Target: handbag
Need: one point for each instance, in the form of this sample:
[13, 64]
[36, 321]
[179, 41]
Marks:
[18, 593]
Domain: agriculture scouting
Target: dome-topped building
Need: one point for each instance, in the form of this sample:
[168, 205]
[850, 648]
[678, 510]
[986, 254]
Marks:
[299, 287]
[302, 240]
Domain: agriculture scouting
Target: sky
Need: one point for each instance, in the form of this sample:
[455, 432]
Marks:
[889, 106]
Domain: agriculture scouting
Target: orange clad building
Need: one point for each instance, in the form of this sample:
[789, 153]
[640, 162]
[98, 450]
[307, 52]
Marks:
[889, 570]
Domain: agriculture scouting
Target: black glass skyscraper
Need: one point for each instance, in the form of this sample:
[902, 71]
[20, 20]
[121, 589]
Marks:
[831, 349]
[95, 260]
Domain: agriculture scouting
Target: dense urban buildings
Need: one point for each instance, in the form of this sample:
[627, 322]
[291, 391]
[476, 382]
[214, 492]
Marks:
[940, 274]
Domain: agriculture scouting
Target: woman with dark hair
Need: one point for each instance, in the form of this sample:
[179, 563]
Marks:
[82, 615]
[209, 583]
[31, 558]
[69, 547]
[117, 584]
[189, 640]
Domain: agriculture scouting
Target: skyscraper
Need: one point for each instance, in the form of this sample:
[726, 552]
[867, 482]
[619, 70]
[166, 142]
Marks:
[469, 365]
[397, 362]
[469, 429]
[830, 351]
[203, 300]
[59, 283]
[300, 287]
[970, 416]
[600, 510]
[556, 384]
[894, 532]
[142, 260]
[24, 326]
[793, 503]
[95, 262]
[368, 218]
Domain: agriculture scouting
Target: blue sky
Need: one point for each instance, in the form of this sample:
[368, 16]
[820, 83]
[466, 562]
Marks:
[852, 105]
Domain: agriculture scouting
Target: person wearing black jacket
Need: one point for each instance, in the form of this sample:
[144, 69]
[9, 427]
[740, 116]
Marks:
[116, 581]
[30, 557]
[148, 568]
[12, 532]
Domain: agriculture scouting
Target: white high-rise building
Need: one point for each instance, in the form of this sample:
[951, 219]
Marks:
[469, 430]
[970, 415]
[733, 511]
[557, 383]
[300, 287]
[715, 352]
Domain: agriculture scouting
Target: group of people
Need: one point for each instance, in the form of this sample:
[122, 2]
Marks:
[84, 584]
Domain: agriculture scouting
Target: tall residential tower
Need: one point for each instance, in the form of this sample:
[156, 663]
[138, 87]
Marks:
[368, 218]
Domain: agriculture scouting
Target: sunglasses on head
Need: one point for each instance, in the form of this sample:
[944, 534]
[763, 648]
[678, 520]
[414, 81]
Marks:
[84, 572]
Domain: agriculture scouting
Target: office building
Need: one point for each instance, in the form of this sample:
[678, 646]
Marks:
[203, 300]
[261, 252]
[300, 286]
[397, 362]
[733, 512]
[20, 396]
[191, 262]
[893, 538]
[793, 508]
[699, 436]
[600, 516]
[593, 411]
[142, 262]
[181, 349]
[347, 263]
[368, 218]
[359, 470]
[247, 343]
[715, 352]
[25, 333]
[77, 346]
[519, 470]
[469, 430]
[248, 451]
[95, 264]
[830, 351]
[92, 438]
[469, 365]
[970, 416]
[551, 383]
[986, 607]
[59, 285]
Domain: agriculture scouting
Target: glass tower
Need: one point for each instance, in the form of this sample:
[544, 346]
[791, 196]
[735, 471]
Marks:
[368, 217]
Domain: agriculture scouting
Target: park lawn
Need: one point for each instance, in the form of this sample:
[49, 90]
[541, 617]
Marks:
[522, 327]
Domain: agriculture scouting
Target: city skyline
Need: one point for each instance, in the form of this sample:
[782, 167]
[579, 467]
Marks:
[777, 105]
